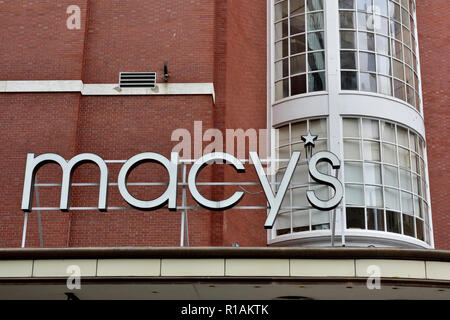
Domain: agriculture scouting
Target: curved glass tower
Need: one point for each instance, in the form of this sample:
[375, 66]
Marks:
[349, 71]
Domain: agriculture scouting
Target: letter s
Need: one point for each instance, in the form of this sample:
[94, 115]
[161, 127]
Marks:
[331, 158]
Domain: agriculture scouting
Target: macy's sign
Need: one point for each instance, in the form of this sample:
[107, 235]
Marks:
[169, 197]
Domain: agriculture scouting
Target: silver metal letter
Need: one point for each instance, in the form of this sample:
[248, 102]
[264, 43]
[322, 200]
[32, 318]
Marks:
[33, 164]
[274, 201]
[195, 170]
[331, 158]
[169, 195]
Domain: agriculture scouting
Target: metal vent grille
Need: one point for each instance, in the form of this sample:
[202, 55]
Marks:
[137, 80]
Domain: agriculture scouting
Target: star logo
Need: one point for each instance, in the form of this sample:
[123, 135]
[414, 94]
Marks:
[309, 139]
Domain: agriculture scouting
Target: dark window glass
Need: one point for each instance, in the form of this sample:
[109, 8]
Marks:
[297, 6]
[355, 218]
[281, 89]
[298, 64]
[298, 44]
[347, 19]
[349, 80]
[393, 222]
[316, 81]
[419, 226]
[298, 24]
[408, 225]
[298, 84]
[366, 41]
[375, 219]
[348, 60]
[281, 10]
[399, 90]
[348, 39]
[315, 21]
[346, 4]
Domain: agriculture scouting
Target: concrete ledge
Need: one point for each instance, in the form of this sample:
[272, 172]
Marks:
[16, 268]
[257, 267]
[128, 267]
[192, 267]
[393, 268]
[59, 268]
[105, 89]
[438, 270]
[322, 268]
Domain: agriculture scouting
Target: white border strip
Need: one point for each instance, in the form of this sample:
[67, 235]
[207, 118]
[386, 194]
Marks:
[105, 89]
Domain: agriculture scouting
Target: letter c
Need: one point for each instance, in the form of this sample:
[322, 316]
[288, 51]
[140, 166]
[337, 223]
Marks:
[195, 170]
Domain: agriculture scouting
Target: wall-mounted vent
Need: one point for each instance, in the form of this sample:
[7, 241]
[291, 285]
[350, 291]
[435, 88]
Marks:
[137, 80]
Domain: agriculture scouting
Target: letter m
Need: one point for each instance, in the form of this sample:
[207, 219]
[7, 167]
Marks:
[33, 165]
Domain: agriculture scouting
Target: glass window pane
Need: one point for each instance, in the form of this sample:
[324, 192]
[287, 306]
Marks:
[316, 61]
[390, 176]
[283, 135]
[348, 60]
[408, 225]
[397, 49]
[297, 130]
[298, 84]
[353, 172]
[318, 127]
[405, 180]
[315, 41]
[355, 218]
[407, 203]
[381, 25]
[298, 24]
[388, 132]
[316, 81]
[347, 19]
[364, 5]
[406, 37]
[374, 196]
[370, 129]
[372, 173]
[385, 85]
[297, 6]
[389, 153]
[299, 197]
[399, 90]
[392, 199]
[281, 49]
[365, 21]
[348, 39]
[375, 219]
[352, 149]
[283, 224]
[346, 4]
[298, 44]
[366, 41]
[384, 65]
[281, 69]
[298, 64]
[367, 61]
[320, 220]
[315, 21]
[419, 227]
[368, 82]
[381, 7]
[281, 10]
[383, 45]
[393, 222]
[349, 80]
[351, 127]
[394, 11]
[403, 158]
[398, 69]
[300, 221]
[396, 30]
[281, 89]
[371, 151]
[314, 5]
[281, 29]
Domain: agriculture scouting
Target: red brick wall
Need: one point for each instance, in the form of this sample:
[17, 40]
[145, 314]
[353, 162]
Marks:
[433, 26]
